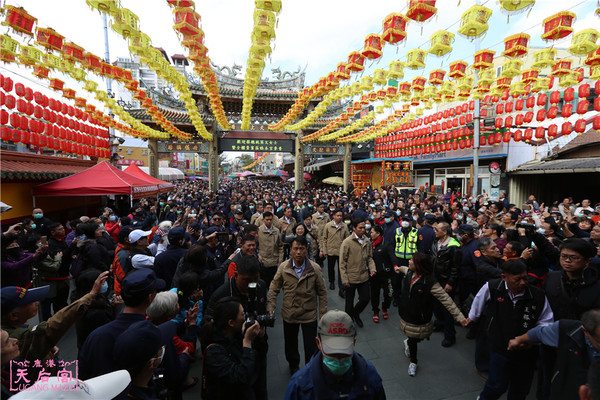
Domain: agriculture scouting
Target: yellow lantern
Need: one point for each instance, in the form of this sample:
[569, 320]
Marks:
[486, 75]
[366, 83]
[380, 77]
[465, 83]
[463, 95]
[428, 104]
[419, 111]
[104, 6]
[447, 88]
[396, 70]
[544, 58]
[569, 79]
[441, 43]
[29, 55]
[90, 86]
[78, 74]
[483, 87]
[517, 89]
[474, 21]
[512, 6]
[264, 23]
[8, 48]
[66, 66]
[541, 85]
[269, 5]
[72, 52]
[511, 68]
[436, 76]
[125, 22]
[51, 61]
[429, 92]
[595, 72]
[405, 97]
[584, 42]
[415, 59]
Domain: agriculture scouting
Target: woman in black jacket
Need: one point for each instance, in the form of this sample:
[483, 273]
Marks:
[382, 279]
[229, 369]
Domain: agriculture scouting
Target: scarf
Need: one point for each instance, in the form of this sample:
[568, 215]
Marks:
[377, 241]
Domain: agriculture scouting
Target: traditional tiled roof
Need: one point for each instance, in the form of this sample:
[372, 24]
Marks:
[171, 115]
[260, 93]
[24, 166]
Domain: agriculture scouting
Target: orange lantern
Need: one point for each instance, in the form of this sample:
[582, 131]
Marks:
[56, 84]
[91, 62]
[593, 58]
[394, 28]
[558, 26]
[503, 82]
[418, 84]
[341, 71]
[355, 61]
[19, 20]
[373, 46]
[186, 21]
[48, 38]
[421, 10]
[562, 67]
[483, 59]
[72, 52]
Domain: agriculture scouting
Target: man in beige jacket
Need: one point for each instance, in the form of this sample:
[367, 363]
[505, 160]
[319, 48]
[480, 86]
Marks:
[319, 219]
[270, 248]
[356, 265]
[332, 236]
[303, 286]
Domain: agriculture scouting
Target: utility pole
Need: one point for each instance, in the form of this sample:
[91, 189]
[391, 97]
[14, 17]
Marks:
[114, 144]
[476, 124]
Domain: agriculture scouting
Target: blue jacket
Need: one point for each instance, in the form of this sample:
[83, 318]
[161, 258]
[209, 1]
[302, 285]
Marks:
[389, 231]
[166, 262]
[426, 239]
[313, 381]
[470, 259]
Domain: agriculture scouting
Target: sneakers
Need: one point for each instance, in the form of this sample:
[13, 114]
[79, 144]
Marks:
[376, 318]
[412, 369]
[385, 314]
[406, 349]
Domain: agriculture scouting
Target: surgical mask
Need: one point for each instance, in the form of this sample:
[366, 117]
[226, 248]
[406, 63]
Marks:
[38, 216]
[469, 219]
[412, 207]
[405, 224]
[104, 288]
[398, 212]
[388, 220]
[465, 208]
[415, 217]
[251, 207]
[347, 222]
[81, 238]
[179, 211]
[162, 203]
[112, 218]
[541, 231]
[367, 226]
[377, 203]
[101, 226]
[577, 215]
[337, 367]
[33, 226]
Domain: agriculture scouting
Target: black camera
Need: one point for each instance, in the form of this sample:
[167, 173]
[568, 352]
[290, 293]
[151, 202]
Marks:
[252, 315]
[530, 228]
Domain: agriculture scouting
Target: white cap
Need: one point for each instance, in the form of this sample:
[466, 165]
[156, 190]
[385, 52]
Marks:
[142, 261]
[137, 234]
[99, 388]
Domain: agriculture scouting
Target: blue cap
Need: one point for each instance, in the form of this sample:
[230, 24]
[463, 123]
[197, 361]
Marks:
[465, 228]
[211, 230]
[176, 234]
[14, 296]
[137, 344]
[142, 281]
[196, 226]
[430, 218]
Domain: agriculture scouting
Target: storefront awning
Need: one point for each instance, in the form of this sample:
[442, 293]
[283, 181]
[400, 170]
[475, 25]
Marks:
[16, 166]
[578, 165]
[318, 165]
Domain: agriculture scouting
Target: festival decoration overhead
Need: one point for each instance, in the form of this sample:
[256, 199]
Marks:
[258, 160]
[474, 21]
[558, 26]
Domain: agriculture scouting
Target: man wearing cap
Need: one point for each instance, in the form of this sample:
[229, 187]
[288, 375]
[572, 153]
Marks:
[426, 235]
[390, 225]
[139, 256]
[336, 371]
[39, 342]
[165, 263]
[405, 245]
[121, 265]
[470, 256]
[138, 290]
[303, 286]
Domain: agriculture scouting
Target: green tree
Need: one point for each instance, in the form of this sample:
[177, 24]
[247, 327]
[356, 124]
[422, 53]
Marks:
[245, 159]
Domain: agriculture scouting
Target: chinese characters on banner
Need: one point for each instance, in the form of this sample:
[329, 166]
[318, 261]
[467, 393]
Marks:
[25, 374]
[257, 145]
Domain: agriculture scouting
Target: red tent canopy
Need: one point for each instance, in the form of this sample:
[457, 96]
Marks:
[134, 170]
[101, 179]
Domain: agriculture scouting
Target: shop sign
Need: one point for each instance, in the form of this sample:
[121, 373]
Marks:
[129, 162]
[257, 145]
[464, 154]
[311, 150]
[187, 147]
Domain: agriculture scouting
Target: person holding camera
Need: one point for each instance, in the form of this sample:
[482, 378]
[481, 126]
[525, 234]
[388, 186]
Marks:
[230, 363]
[303, 287]
[251, 291]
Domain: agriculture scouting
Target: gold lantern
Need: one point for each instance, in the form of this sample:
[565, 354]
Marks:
[366, 83]
[584, 42]
[465, 83]
[264, 23]
[486, 75]
[29, 55]
[483, 59]
[457, 69]
[269, 5]
[474, 21]
[516, 45]
[51, 61]
[125, 23]
[436, 76]
[447, 88]
[104, 6]
[396, 70]
[380, 77]
[544, 58]
[441, 43]
[8, 48]
[511, 68]
[415, 59]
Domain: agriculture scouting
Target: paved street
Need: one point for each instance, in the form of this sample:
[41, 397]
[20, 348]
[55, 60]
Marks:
[443, 373]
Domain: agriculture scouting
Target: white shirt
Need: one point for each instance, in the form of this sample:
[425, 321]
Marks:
[360, 239]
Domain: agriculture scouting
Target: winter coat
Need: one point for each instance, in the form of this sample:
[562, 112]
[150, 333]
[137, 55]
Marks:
[299, 294]
[446, 261]
[416, 304]
[356, 260]
[270, 246]
[488, 269]
[571, 298]
[332, 238]
[287, 239]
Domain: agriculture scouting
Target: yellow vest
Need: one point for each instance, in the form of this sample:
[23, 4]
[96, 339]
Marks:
[405, 248]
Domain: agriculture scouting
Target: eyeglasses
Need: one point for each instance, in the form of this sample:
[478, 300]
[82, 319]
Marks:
[568, 257]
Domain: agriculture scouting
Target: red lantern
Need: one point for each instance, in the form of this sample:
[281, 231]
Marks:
[516, 45]
[566, 128]
[421, 10]
[519, 104]
[186, 21]
[597, 104]
[562, 67]
[530, 75]
[341, 72]
[19, 20]
[373, 46]
[552, 130]
[394, 28]
[457, 69]
[530, 102]
[528, 134]
[558, 25]
[596, 122]
[483, 59]
[539, 132]
[555, 97]
[567, 110]
[48, 38]
[506, 137]
[542, 99]
[355, 61]
[541, 115]
[584, 90]
[580, 125]
[508, 122]
[552, 112]
[508, 107]
[569, 94]
[582, 107]
[518, 135]
[499, 108]
[483, 140]
[519, 120]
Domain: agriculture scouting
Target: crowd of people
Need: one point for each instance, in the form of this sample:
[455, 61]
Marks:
[194, 276]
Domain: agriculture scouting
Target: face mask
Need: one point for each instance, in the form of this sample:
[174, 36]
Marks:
[367, 226]
[415, 217]
[372, 216]
[38, 245]
[469, 219]
[413, 207]
[347, 222]
[577, 215]
[162, 203]
[33, 226]
[398, 212]
[388, 220]
[332, 209]
[377, 203]
[104, 288]
[405, 224]
[251, 207]
[178, 211]
[541, 231]
[466, 208]
[112, 218]
[337, 367]
[81, 238]
[38, 216]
